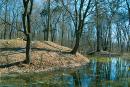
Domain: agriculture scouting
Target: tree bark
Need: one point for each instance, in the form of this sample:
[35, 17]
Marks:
[76, 45]
[48, 25]
[28, 49]
[5, 26]
[27, 29]
[97, 27]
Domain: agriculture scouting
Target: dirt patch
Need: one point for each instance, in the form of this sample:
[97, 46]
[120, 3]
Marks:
[46, 56]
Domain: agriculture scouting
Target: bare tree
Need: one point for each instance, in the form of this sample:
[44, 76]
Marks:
[80, 17]
[97, 26]
[27, 27]
[128, 6]
[5, 19]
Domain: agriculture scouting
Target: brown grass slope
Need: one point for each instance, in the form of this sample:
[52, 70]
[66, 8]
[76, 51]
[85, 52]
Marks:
[46, 56]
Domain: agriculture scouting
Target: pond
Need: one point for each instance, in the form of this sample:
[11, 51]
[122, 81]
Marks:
[100, 72]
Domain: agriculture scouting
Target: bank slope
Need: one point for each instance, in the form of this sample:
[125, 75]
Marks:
[46, 56]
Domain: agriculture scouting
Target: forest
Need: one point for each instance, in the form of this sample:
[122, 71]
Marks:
[47, 30]
[99, 24]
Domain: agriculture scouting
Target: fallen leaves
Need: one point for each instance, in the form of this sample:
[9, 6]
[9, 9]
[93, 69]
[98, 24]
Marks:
[49, 56]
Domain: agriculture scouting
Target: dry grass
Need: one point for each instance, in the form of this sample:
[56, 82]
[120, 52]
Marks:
[45, 56]
[14, 43]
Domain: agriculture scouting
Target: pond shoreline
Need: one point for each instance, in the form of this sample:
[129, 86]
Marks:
[15, 69]
[104, 54]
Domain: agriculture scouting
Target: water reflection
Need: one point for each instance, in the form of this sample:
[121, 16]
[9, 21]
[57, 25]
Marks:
[100, 72]
[112, 73]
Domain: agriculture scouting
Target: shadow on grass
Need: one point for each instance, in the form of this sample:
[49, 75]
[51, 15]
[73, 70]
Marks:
[22, 50]
[11, 49]
[11, 64]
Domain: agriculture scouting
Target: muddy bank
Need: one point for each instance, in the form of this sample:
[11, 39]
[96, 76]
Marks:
[104, 54]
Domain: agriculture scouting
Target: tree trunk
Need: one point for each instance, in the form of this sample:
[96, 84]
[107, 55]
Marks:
[98, 40]
[10, 33]
[5, 26]
[97, 27]
[76, 45]
[109, 36]
[128, 6]
[28, 49]
[48, 25]
[27, 29]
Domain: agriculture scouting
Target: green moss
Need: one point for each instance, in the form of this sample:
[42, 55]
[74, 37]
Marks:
[102, 59]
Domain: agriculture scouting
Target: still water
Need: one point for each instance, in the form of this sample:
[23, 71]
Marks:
[100, 72]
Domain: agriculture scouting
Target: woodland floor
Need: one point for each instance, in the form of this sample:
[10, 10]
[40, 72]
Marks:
[46, 56]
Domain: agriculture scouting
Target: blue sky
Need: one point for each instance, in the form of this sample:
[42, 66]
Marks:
[38, 2]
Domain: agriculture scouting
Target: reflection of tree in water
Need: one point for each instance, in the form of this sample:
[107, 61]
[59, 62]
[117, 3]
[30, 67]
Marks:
[81, 79]
[98, 80]
[77, 79]
[119, 69]
[114, 70]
